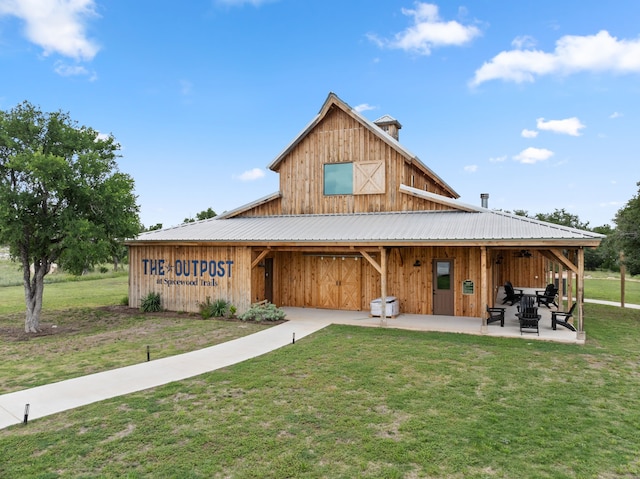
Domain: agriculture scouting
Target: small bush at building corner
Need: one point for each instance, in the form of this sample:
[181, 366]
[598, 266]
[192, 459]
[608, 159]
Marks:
[263, 312]
[151, 303]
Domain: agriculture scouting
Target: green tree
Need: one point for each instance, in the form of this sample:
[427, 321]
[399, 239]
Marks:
[562, 217]
[601, 257]
[203, 215]
[628, 232]
[605, 256]
[62, 198]
[521, 213]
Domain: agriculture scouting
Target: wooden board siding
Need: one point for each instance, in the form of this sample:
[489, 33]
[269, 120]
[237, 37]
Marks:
[183, 284]
[413, 285]
[339, 138]
[271, 208]
[258, 292]
[328, 281]
[523, 272]
[314, 280]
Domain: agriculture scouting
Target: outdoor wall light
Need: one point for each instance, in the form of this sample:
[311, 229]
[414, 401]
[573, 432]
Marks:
[417, 263]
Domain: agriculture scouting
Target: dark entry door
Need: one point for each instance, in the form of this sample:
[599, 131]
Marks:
[268, 279]
[443, 281]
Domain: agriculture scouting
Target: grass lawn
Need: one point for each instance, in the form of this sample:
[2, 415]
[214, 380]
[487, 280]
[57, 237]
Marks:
[86, 292]
[77, 342]
[85, 331]
[609, 290]
[379, 403]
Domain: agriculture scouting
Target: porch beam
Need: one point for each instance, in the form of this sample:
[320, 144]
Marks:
[562, 258]
[548, 255]
[260, 257]
[373, 262]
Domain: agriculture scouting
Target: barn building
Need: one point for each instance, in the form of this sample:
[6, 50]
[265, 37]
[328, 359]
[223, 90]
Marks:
[357, 217]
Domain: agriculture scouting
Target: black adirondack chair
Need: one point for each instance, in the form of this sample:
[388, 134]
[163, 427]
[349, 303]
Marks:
[558, 317]
[548, 296]
[511, 295]
[495, 314]
[528, 314]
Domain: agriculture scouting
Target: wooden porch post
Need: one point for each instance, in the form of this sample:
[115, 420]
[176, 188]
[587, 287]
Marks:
[383, 286]
[580, 294]
[561, 291]
[484, 287]
[573, 257]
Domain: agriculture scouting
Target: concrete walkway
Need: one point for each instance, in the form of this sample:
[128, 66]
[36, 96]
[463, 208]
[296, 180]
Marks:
[612, 303]
[61, 396]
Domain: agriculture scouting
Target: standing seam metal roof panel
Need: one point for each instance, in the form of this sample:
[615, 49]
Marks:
[365, 227]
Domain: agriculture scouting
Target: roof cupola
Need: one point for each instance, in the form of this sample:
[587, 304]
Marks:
[390, 125]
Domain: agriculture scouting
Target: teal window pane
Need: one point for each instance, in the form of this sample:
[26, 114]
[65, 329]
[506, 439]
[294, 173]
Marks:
[338, 179]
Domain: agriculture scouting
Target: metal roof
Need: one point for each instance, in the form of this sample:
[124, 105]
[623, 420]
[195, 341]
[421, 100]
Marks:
[387, 119]
[419, 227]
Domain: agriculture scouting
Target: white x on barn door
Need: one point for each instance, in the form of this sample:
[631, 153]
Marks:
[368, 178]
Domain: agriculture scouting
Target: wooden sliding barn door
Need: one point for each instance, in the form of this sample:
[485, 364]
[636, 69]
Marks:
[338, 283]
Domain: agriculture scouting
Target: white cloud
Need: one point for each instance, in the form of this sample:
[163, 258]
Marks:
[251, 175]
[615, 114]
[471, 168]
[428, 31]
[498, 159]
[65, 70]
[529, 133]
[524, 41]
[573, 53]
[568, 126]
[533, 155]
[364, 107]
[58, 26]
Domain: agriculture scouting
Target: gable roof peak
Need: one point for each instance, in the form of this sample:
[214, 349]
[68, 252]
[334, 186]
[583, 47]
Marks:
[334, 101]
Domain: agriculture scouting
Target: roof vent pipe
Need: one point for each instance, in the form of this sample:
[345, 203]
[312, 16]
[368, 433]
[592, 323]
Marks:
[484, 200]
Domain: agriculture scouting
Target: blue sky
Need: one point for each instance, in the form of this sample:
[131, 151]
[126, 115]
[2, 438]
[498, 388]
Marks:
[536, 103]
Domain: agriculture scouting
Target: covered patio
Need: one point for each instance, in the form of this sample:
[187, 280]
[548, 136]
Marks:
[446, 324]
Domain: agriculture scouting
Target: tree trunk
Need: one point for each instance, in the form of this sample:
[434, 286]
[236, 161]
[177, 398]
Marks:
[33, 289]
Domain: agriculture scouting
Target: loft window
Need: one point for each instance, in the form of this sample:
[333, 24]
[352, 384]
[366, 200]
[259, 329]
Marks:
[338, 179]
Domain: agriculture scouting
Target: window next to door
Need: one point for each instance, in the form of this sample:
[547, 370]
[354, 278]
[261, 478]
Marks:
[443, 274]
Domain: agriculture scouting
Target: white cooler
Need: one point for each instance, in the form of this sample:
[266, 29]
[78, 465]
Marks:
[392, 309]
